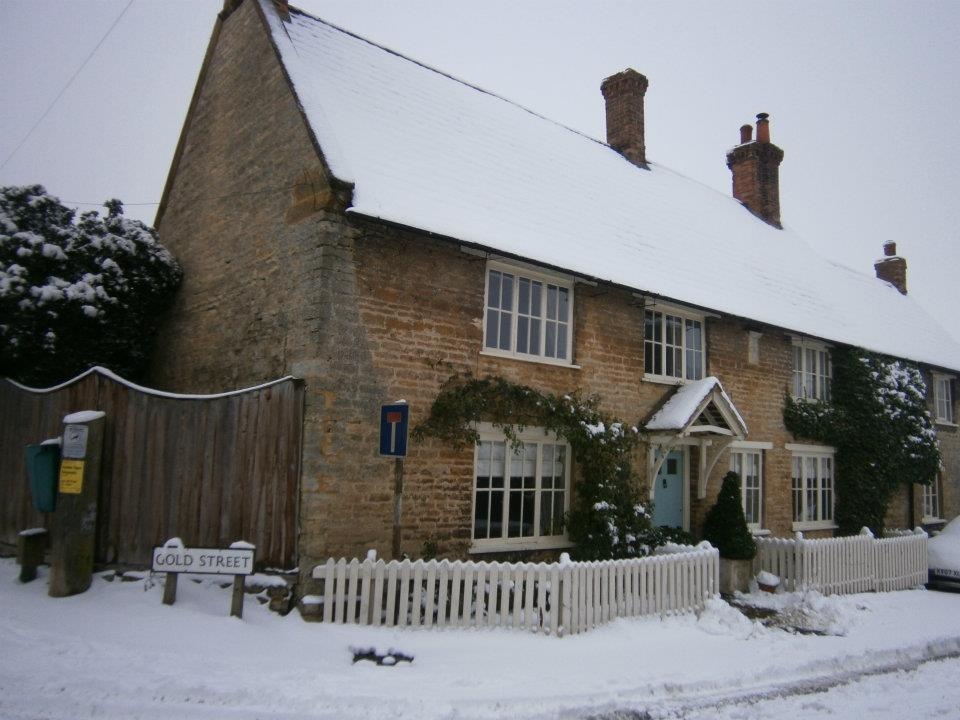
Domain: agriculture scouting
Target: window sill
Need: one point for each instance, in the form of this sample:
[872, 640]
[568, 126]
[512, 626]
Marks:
[665, 380]
[759, 532]
[932, 521]
[815, 525]
[529, 359]
[518, 544]
[945, 423]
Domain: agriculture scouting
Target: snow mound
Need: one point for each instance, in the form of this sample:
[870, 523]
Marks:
[720, 618]
[805, 612]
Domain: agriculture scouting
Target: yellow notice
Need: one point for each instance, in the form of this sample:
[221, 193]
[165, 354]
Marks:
[71, 476]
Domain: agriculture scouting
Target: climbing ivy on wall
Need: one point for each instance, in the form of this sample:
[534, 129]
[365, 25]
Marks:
[609, 519]
[878, 421]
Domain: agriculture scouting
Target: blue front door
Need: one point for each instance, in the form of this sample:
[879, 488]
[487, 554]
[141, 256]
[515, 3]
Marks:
[668, 492]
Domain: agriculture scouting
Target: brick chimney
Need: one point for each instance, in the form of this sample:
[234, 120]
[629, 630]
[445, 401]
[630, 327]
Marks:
[755, 165]
[623, 94]
[892, 268]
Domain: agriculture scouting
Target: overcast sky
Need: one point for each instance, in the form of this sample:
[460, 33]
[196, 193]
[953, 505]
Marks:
[863, 98]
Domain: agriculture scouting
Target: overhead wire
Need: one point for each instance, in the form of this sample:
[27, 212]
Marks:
[66, 86]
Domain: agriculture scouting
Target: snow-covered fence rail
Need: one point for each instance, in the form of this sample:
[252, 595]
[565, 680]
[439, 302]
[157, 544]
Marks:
[555, 598]
[860, 563]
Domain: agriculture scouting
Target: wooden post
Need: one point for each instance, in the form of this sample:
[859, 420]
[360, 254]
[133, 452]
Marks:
[236, 603]
[170, 588]
[397, 505]
[31, 545]
[74, 524]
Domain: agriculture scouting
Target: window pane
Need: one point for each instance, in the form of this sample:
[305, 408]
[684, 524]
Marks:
[562, 341]
[810, 477]
[797, 489]
[563, 305]
[522, 333]
[493, 289]
[529, 312]
[826, 488]
[481, 516]
[797, 371]
[551, 302]
[493, 330]
[694, 344]
[523, 296]
[673, 340]
[505, 320]
[496, 513]
[810, 373]
[506, 294]
[550, 341]
[536, 299]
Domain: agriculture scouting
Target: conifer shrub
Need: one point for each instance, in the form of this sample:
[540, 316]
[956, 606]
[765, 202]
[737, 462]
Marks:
[726, 526]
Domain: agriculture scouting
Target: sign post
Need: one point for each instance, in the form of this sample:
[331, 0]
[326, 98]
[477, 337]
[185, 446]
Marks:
[394, 426]
[74, 524]
[173, 558]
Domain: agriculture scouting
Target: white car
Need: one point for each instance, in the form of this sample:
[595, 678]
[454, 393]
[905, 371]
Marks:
[943, 557]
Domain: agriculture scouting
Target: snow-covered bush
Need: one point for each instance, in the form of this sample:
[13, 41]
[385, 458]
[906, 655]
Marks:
[76, 293]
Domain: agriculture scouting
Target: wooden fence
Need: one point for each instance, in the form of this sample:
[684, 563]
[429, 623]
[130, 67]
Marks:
[210, 469]
[854, 564]
[555, 598]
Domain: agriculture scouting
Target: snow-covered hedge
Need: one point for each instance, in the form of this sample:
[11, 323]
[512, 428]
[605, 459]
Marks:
[884, 435]
[76, 292]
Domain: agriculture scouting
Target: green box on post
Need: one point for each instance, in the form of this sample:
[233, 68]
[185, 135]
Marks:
[43, 462]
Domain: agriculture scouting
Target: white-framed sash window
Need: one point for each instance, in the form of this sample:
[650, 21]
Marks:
[813, 477]
[943, 398]
[812, 371]
[520, 496]
[673, 345]
[528, 315]
[931, 501]
[746, 459]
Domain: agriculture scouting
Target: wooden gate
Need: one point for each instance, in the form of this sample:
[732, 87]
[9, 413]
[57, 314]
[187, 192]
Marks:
[210, 469]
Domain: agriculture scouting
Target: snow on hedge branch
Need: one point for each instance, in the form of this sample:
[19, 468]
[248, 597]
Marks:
[76, 292]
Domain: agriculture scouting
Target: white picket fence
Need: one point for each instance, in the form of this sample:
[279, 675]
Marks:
[555, 598]
[860, 563]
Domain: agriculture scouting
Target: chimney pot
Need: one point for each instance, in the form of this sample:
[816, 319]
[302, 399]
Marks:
[746, 134]
[623, 94]
[763, 128]
[890, 248]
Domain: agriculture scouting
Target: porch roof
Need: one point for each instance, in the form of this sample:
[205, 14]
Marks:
[698, 407]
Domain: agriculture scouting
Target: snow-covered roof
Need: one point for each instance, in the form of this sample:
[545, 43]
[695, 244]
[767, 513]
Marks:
[688, 401]
[428, 151]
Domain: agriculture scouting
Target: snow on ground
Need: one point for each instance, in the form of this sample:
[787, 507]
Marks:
[117, 652]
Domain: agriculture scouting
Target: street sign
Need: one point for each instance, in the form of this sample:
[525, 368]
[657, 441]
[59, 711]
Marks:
[394, 423]
[208, 561]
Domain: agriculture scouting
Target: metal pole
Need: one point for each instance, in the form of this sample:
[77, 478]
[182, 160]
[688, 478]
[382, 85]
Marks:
[397, 505]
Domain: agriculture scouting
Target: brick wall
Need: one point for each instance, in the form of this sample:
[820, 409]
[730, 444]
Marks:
[758, 391]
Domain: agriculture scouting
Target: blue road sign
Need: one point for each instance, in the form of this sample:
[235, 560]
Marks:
[394, 422]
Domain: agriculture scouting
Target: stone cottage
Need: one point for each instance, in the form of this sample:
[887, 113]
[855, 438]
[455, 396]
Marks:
[371, 225]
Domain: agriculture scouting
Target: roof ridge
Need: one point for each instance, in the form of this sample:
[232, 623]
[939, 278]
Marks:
[425, 66]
